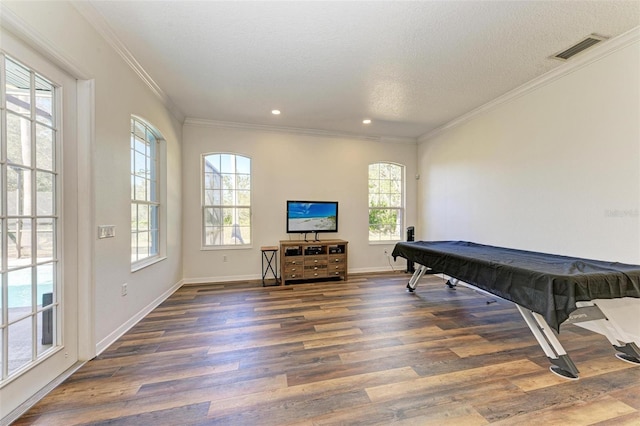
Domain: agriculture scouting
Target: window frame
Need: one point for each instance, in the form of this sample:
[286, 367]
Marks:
[155, 200]
[400, 209]
[37, 224]
[204, 206]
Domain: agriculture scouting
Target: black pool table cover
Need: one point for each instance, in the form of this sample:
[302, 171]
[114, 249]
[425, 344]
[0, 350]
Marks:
[544, 283]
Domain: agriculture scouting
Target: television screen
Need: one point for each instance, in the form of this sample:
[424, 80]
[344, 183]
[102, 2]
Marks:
[312, 216]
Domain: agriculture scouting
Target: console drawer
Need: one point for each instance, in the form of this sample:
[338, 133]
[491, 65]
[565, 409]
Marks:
[315, 262]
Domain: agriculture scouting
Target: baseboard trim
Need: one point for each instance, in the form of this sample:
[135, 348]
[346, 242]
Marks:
[35, 398]
[120, 331]
[225, 279]
[374, 270]
[238, 278]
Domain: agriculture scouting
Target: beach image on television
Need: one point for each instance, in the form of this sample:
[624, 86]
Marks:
[312, 217]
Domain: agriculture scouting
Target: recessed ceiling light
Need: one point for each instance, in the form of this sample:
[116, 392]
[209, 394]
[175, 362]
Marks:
[366, 121]
[275, 111]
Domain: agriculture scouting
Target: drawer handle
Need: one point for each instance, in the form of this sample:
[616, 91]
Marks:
[293, 262]
[293, 275]
[315, 268]
[293, 269]
[316, 274]
[316, 261]
[337, 260]
[337, 273]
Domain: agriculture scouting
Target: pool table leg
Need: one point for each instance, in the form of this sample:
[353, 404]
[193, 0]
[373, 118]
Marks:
[627, 349]
[413, 281]
[546, 337]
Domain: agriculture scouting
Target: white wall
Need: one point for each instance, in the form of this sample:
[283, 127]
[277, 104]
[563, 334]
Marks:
[288, 166]
[555, 170]
[119, 93]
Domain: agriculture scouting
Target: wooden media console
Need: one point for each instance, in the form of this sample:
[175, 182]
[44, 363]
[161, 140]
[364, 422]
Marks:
[306, 260]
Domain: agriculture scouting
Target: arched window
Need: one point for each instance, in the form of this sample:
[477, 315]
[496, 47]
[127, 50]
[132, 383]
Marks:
[226, 200]
[386, 201]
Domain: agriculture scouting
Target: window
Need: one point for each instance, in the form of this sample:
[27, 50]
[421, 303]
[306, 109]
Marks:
[226, 200]
[386, 201]
[29, 222]
[145, 190]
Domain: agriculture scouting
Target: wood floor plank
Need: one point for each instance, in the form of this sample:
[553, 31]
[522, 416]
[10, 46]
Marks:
[588, 368]
[361, 337]
[630, 395]
[465, 351]
[631, 419]
[556, 398]
[453, 414]
[310, 390]
[184, 415]
[166, 400]
[399, 349]
[431, 405]
[605, 408]
[308, 337]
[491, 372]
[340, 353]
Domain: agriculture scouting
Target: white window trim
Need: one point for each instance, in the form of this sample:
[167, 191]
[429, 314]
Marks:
[161, 186]
[57, 305]
[402, 209]
[141, 264]
[203, 246]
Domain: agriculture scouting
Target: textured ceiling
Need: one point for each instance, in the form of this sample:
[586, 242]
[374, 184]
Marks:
[411, 67]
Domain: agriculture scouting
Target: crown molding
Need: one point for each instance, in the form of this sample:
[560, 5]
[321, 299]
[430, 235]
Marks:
[597, 53]
[98, 22]
[15, 25]
[396, 139]
[201, 122]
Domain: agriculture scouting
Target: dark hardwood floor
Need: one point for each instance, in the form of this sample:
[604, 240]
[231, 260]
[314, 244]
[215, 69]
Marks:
[360, 352]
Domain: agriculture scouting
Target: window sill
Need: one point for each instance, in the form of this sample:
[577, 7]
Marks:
[382, 243]
[235, 247]
[147, 262]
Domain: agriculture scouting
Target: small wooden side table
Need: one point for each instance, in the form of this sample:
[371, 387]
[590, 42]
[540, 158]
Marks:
[269, 263]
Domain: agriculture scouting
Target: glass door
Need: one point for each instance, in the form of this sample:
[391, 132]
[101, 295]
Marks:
[28, 219]
[38, 223]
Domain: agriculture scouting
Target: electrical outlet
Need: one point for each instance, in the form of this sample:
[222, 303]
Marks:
[123, 291]
[224, 258]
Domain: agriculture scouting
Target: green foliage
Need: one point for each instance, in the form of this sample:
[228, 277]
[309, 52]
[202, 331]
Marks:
[383, 220]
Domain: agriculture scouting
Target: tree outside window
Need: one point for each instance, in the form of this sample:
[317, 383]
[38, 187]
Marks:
[226, 200]
[386, 201]
[145, 200]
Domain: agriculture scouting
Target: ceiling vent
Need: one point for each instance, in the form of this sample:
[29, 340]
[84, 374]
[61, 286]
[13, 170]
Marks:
[579, 47]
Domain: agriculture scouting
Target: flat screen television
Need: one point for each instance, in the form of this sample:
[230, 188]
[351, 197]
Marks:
[312, 216]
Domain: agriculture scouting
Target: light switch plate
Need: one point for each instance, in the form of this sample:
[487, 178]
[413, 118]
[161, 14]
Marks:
[106, 231]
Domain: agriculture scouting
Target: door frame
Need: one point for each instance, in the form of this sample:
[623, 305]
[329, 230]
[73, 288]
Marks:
[84, 135]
